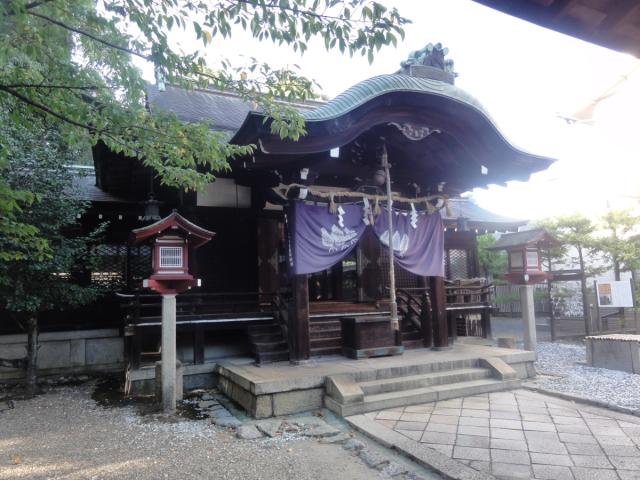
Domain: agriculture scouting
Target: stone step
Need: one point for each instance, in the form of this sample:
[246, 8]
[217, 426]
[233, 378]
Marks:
[409, 382]
[416, 396]
[416, 369]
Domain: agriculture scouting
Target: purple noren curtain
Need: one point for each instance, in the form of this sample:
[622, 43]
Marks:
[418, 249]
[320, 239]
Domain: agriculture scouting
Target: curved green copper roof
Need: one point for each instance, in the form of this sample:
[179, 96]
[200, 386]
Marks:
[376, 86]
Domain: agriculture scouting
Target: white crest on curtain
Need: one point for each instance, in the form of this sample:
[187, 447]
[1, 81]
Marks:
[339, 238]
[400, 244]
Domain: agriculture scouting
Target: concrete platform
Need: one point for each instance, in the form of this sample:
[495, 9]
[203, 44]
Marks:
[282, 388]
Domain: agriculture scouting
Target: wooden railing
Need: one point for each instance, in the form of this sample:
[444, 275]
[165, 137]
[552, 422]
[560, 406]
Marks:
[146, 309]
[195, 312]
[465, 297]
[467, 294]
[414, 304]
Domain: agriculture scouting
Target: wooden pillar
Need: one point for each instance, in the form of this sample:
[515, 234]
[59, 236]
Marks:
[486, 322]
[299, 344]
[440, 333]
[426, 317]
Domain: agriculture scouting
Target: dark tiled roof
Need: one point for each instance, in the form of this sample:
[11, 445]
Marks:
[370, 88]
[527, 237]
[477, 217]
[84, 186]
[221, 110]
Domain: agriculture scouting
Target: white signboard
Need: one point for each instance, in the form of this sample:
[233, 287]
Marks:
[614, 294]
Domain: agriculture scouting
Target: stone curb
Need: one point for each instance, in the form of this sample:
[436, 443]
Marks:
[427, 457]
[580, 399]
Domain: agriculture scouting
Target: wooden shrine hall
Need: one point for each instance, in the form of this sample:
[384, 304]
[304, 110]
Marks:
[413, 129]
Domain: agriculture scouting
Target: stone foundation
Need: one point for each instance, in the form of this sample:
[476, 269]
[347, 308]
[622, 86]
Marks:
[615, 352]
[281, 389]
[64, 353]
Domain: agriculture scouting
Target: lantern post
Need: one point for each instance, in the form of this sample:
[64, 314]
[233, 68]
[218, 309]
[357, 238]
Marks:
[525, 270]
[172, 237]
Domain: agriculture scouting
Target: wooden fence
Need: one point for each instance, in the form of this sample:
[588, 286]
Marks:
[506, 299]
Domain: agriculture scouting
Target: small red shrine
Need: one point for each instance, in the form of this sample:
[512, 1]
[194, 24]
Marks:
[172, 237]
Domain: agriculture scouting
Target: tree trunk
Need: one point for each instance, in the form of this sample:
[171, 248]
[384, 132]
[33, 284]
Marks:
[583, 289]
[31, 377]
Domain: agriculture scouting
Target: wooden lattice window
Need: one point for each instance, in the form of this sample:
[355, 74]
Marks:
[170, 257]
[456, 264]
[109, 265]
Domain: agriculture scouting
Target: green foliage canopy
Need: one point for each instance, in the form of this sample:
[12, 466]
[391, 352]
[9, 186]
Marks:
[70, 62]
[492, 263]
[44, 278]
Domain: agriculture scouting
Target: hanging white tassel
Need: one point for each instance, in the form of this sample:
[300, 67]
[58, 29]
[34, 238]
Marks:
[413, 216]
[341, 213]
[332, 205]
[376, 209]
[447, 209]
[366, 211]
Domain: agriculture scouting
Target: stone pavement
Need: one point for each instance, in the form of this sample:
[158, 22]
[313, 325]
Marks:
[522, 434]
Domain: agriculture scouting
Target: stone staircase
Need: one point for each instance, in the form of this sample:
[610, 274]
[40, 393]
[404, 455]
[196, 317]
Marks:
[366, 391]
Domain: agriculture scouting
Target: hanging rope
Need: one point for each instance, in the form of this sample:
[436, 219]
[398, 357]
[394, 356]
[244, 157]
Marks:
[283, 191]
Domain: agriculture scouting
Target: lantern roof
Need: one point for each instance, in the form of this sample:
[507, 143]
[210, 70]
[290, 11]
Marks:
[528, 238]
[177, 224]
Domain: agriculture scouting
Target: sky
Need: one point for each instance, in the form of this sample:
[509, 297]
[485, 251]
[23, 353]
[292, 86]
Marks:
[527, 77]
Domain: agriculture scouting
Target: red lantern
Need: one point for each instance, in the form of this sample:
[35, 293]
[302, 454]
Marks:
[172, 238]
[523, 250]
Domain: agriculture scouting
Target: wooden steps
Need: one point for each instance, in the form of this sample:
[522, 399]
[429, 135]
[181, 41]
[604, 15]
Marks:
[267, 343]
[325, 336]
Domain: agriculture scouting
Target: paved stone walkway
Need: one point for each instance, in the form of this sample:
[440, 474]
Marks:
[523, 434]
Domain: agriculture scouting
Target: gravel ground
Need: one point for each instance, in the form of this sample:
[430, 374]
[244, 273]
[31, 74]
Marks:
[562, 367]
[64, 434]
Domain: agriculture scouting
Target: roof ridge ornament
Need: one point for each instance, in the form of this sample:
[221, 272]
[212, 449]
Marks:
[430, 62]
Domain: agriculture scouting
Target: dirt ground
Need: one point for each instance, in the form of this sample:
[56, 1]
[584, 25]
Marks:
[64, 434]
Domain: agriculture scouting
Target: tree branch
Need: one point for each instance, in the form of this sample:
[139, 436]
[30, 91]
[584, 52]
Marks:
[44, 85]
[309, 13]
[45, 109]
[31, 5]
[91, 36]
